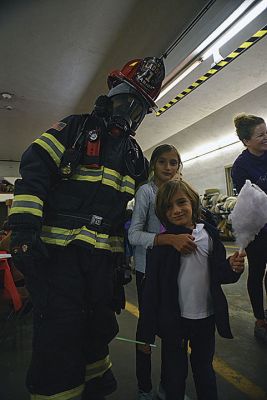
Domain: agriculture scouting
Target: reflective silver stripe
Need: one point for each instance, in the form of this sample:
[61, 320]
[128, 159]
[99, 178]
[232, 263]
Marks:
[27, 204]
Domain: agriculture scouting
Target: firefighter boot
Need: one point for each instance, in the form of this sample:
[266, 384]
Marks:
[98, 388]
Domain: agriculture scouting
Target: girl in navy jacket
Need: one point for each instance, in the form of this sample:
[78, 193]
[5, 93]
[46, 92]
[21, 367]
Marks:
[182, 299]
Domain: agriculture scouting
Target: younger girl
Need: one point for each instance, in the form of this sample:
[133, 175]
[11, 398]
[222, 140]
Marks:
[182, 297]
[165, 163]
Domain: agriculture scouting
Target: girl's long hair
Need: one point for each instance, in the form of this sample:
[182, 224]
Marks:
[157, 152]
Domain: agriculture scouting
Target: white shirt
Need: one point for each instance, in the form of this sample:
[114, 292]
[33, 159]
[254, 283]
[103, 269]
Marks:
[194, 279]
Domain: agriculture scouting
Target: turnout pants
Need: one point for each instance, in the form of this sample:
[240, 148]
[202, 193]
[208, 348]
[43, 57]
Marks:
[73, 321]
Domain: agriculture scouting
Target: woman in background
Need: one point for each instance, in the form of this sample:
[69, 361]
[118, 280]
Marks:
[252, 164]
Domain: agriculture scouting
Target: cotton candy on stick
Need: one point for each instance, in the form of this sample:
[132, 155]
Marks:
[249, 214]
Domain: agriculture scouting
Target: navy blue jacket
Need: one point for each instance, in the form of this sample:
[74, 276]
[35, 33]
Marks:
[249, 166]
[160, 312]
[254, 168]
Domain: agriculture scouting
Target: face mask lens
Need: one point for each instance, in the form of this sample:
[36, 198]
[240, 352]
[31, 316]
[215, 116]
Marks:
[129, 106]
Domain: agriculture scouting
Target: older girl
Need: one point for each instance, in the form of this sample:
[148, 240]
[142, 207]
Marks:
[165, 164]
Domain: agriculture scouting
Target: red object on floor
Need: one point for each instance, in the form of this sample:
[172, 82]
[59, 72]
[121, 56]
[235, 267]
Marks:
[9, 284]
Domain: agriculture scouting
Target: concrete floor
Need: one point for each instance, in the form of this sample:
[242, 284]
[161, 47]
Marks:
[241, 363]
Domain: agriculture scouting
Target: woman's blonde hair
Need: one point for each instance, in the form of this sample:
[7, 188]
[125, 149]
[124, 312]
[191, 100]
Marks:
[245, 123]
[167, 191]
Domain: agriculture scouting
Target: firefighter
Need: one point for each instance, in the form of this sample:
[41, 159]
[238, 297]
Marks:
[67, 224]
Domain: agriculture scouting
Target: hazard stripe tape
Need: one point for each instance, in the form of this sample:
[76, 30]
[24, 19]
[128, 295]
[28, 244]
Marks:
[217, 67]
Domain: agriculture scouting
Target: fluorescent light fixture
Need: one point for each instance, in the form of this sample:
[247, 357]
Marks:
[217, 33]
[179, 78]
[204, 151]
[225, 25]
[250, 16]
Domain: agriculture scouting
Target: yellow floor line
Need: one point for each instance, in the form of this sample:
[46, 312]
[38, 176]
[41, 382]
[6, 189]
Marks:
[132, 309]
[243, 384]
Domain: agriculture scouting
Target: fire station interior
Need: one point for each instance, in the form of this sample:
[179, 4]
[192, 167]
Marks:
[55, 58]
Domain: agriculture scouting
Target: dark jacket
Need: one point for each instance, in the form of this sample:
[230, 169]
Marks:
[160, 313]
[64, 208]
[254, 168]
[249, 166]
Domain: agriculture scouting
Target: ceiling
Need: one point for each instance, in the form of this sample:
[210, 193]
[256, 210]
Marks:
[56, 55]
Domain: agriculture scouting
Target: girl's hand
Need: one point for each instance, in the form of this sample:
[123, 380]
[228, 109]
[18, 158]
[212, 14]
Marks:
[237, 261]
[184, 243]
[144, 348]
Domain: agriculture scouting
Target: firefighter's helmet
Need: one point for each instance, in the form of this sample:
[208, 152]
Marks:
[145, 75]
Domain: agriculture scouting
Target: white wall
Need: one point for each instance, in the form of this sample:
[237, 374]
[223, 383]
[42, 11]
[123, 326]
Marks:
[208, 171]
[9, 168]
[214, 132]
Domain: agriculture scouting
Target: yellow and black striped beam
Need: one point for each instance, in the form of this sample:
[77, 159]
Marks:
[216, 68]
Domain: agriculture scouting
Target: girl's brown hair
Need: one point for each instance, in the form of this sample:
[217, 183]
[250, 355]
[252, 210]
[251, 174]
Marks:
[244, 124]
[158, 151]
[167, 191]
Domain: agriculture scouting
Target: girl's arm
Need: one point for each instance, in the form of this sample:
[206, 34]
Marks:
[137, 234]
[184, 242]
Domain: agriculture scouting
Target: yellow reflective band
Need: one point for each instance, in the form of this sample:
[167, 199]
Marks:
[23, 204]
[23, 210]
[53, 147]
[119, 182]
[116, 244]
[63, 237]
[67, 395]
[28, 197]
[97, 368]
[217, 67]
[106, 176]
[88, 174]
